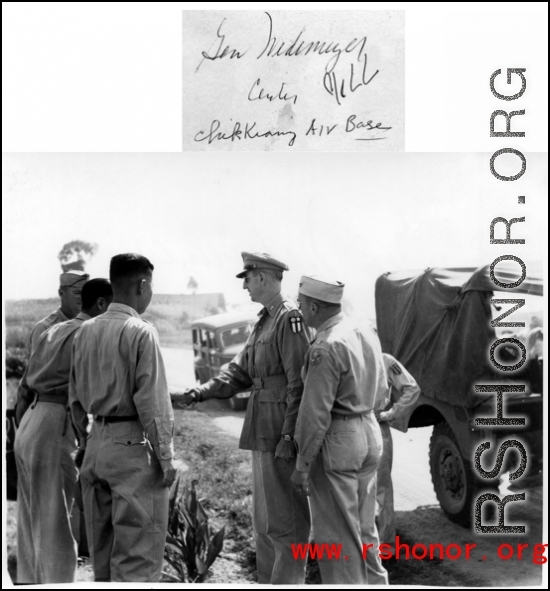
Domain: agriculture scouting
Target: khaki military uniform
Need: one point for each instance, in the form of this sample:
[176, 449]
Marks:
[46, 549]
[43, 325]
[340, 445]
[404, 393]
[25, 395]
[270, 365]
[118, 376]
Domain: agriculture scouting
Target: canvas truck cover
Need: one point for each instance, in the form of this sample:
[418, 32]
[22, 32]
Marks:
[437, 323]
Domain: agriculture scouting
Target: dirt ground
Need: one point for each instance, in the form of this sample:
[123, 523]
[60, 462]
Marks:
[420, 520]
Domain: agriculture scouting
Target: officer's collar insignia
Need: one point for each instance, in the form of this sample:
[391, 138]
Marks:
[296, 324]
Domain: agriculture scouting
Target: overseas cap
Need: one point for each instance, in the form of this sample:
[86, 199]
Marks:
[260, 260]
[71, 278]
[321, 288]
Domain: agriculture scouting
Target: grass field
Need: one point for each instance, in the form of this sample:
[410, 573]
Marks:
[171, 314]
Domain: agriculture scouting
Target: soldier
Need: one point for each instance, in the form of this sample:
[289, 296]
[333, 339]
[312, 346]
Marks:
[270, 364]
[46, 549]
[118, 376]
[70, 289]
[404, 393]
[338, 437]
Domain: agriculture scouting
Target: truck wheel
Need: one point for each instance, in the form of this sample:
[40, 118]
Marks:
[454, 481]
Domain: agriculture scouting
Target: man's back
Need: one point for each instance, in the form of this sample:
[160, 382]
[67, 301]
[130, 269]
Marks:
[118, 376]
[356, 356]
[43, 325]
[118, 368]
[50, 363]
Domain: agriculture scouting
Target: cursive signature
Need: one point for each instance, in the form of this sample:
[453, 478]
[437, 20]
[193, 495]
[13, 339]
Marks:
[254, 95]
[281, 48]
[338, 87]
[248, 132]
[221, 51]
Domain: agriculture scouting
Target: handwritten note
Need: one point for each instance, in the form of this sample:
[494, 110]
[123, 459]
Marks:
[293, 80]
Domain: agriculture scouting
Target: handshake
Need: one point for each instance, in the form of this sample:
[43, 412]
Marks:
[184, 399]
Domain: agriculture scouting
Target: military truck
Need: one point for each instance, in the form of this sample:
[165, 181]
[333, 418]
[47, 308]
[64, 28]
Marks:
[437, 322]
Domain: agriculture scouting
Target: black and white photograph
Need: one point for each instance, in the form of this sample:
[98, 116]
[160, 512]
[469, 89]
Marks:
[305, 348]
[390, 254]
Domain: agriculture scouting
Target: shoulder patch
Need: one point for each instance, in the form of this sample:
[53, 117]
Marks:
[316, 356]
[296, 323]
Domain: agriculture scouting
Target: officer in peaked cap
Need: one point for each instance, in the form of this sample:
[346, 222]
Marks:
[338, 437]
[270, 365]
[257, 261]
[70, 290]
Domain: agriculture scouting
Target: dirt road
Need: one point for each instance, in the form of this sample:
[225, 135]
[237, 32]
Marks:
[420, 521]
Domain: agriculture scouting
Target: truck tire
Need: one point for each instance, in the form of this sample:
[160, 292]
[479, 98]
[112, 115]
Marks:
[453, 477]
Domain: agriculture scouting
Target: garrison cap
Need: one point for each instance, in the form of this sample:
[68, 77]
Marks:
[72, 277]
[321, 288]
[254, 261]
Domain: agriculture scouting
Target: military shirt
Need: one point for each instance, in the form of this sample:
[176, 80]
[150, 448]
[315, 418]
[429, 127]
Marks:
[43, 325]
[117, 370]
[24, 394]
[404, 389]
[50, 363]
[344, 374]
[270, 364]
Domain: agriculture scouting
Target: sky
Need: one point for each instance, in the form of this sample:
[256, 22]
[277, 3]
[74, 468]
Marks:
[350, 217]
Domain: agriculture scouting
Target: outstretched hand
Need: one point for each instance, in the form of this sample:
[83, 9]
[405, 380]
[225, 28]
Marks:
[183, 399]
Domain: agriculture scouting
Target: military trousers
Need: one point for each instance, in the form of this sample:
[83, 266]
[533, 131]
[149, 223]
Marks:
[343, 501]
[384, 489]
[46, 548]
[125, 504]
[280, 517]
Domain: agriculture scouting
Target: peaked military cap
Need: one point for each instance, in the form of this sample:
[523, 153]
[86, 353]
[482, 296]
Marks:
[320, 288]
[70, 278]
[255, 261]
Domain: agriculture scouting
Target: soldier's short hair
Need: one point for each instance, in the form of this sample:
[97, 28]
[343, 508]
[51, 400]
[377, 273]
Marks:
[275, 273]
[128, 266]
[93, 289]
[320, 303]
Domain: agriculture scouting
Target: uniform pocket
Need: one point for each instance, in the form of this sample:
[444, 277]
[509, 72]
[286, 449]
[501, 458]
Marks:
[341, 426]
[271, 404]
[345, 446]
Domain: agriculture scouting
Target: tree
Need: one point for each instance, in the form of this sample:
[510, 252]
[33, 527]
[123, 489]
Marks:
[75, 255]
[192, 285]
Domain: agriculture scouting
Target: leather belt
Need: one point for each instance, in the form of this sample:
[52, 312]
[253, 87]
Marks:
[55, 396]
[340, 417]
[269, 382]
[116, 419]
